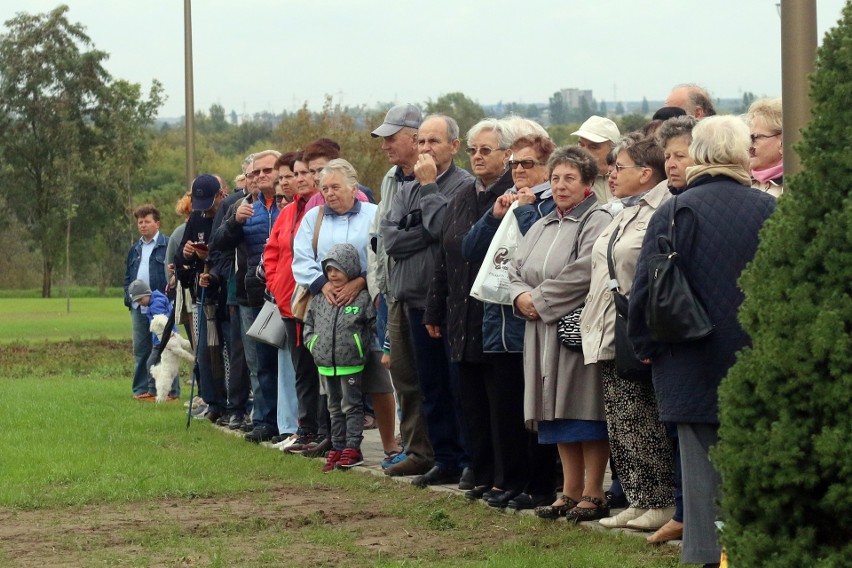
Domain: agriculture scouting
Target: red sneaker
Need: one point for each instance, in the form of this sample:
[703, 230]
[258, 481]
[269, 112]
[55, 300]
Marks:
[350, 457]
[331, 460]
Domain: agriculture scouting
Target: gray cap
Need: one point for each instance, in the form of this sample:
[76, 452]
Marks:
[397, 118]
[138, 289]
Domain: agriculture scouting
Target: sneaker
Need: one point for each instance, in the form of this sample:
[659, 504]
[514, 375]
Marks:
[350, 457]
[247, 425]
[393, 458]
[284, 441]
[223, 420]
[411, 465]
[319, 449]
[199, 410]
[236, 421]
[260, 434]
[301, 443]
[331, 460]
[196, 400]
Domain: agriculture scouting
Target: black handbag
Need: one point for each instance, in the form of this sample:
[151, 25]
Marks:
[673, 313]
[627, 365]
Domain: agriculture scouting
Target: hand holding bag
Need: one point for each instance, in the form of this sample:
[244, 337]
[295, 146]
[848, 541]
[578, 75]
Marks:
[627, 365]
[674, 313]
[492, 281]
[301, 298]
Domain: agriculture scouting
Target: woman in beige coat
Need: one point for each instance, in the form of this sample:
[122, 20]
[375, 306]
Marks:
[640, 448]
[549, 278]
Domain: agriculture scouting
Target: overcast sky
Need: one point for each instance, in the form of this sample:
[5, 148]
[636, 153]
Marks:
[273, 55]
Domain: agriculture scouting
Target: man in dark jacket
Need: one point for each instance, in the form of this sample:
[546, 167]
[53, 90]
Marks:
[146, 261]
[411, 232]
[249, 228]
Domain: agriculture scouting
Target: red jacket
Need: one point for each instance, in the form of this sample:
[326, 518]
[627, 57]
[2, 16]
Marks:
[278, 254]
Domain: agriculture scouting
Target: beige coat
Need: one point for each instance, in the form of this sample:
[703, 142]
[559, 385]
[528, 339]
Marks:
[557, 383]
[597, 322]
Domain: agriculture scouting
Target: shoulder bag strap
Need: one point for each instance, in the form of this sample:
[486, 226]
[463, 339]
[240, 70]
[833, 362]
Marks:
[320, 215]
[613, 282]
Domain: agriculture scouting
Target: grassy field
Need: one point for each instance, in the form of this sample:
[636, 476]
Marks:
[91, 477]
[37, 319]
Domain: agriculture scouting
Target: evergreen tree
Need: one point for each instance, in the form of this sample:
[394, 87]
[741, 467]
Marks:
[645, 108]
[619, 108]
[786, 444]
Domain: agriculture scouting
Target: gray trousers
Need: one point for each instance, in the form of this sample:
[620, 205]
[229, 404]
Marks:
[701, 493]
[346, 409]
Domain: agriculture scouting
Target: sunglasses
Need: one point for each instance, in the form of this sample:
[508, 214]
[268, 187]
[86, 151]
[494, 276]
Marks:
[483, 151]
[280, 197]
[265, 171]
[526, 164]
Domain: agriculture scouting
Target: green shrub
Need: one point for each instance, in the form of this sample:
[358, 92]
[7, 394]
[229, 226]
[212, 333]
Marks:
[786, 448]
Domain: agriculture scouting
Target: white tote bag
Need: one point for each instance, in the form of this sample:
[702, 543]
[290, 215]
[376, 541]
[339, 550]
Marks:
[492, 281]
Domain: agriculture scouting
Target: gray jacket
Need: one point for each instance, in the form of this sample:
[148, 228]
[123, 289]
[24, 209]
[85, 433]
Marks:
[412, 230]
[339, 337]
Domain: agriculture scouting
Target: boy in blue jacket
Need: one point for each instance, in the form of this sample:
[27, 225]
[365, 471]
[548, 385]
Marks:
[339, 338]
[156, 303]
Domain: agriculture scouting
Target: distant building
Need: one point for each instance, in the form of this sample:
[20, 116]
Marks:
[571, 98]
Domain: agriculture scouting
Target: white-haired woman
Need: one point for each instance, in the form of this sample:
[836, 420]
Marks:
[766, 159]
[718, 220]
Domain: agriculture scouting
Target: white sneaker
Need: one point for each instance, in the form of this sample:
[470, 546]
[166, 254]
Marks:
[620, 520]
[286, 443]
[652, 520]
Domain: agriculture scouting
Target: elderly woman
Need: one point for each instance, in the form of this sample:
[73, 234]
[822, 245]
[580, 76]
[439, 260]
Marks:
[718, 220]
[766, 151]
[549, 278]
[640, 448]
[503, 338]
[345, 220]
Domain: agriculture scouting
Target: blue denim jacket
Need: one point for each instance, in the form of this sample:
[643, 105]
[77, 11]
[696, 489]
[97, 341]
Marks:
[157, 266]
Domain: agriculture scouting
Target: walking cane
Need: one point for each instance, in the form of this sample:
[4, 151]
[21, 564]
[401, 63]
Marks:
[195, 369]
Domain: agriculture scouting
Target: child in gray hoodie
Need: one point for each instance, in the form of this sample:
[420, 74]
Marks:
[340, 338]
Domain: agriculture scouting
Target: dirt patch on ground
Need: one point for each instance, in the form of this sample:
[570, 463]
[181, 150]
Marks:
[309, 526]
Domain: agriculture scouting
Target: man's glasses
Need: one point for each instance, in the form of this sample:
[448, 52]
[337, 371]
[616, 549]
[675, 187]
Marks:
[756, 137]
[619, 167]
[483, 151]
[265, 171]
[526, 164]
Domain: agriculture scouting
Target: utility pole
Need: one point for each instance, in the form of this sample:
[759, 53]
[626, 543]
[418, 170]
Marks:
[798, 54]
[189, 111]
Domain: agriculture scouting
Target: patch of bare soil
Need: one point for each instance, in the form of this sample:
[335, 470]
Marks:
[246, 529]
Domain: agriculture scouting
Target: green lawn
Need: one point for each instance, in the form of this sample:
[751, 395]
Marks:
[38, 319]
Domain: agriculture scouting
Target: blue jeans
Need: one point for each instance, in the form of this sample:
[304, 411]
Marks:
[141, 350]
[249, 352]
[433, 370]
[265, 386]
[237, 382]
[211, 388]
[288, 402]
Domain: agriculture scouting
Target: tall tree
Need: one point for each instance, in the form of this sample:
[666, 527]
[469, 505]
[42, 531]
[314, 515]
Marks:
[558, 109]
[645, 108]
[53, 92]
[466, 111]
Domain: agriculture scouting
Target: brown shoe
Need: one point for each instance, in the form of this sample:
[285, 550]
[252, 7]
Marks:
[411, 465]
[672, 530]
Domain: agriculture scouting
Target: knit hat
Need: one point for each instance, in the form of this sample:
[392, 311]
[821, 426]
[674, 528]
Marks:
[138, 289]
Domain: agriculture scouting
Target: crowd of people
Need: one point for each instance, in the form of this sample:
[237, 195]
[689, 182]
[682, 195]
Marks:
[380, 327]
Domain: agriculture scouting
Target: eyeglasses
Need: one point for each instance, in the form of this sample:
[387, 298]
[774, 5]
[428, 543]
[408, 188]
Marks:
[483, 151]
[526, 164]
[280, 197]
[756, 137]
[619, 167]
[265, 171]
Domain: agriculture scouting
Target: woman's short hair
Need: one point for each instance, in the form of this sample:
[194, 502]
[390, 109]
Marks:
[769, 110]
[543, 147]
[674, 127]
[499, 127]
[521, 127]
[720, 140]
[574, 156]
[646, 152]
[342, 167]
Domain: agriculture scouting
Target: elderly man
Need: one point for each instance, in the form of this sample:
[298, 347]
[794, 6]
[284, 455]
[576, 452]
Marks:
[695, 100]
[411, 231]
[598, 136]
[146, 261]
[249, 228]
[399, 141]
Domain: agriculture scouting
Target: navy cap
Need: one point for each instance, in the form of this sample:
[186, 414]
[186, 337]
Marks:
[204, 190]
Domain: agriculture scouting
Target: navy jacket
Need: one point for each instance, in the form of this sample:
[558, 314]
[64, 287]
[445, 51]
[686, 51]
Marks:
[156, 266]
[715, 245]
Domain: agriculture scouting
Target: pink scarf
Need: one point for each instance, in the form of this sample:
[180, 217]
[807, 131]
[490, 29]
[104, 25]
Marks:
[764, 176]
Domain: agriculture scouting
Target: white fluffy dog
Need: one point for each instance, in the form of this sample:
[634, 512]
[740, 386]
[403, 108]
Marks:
[166, 370]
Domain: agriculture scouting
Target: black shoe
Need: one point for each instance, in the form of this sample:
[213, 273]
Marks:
[437, 476]
[477, 492]
[318, 450]
[616, 500]
[223, 420]
[236, 421]
[502, 501]
[213, 415]
[260, 434]
[468, 479]
[526, 501]
[248, 425]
